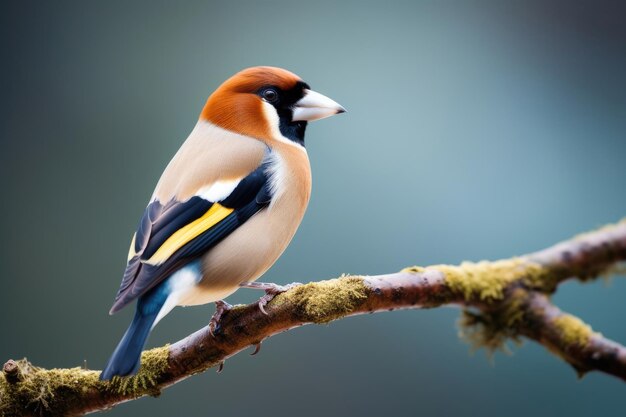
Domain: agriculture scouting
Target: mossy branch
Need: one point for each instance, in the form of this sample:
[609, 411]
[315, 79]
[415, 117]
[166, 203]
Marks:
[506, 299]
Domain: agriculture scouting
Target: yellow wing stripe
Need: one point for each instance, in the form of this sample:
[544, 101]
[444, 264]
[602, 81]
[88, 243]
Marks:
[184, 235]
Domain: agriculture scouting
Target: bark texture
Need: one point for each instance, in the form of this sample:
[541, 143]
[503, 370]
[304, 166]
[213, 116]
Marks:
[501, 300]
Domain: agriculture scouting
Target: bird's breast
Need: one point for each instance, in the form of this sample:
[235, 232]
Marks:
[254, 246]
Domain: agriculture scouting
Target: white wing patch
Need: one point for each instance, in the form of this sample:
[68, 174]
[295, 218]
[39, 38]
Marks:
[277, 176]
[218, 190]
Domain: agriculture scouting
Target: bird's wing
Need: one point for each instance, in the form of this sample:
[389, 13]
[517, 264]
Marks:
[171, 235]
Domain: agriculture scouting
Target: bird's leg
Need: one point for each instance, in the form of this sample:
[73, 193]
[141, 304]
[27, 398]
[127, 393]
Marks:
[221, 307]
[271, 291]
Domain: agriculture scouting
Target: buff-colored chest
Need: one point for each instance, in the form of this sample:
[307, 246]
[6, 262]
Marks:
[253, 247]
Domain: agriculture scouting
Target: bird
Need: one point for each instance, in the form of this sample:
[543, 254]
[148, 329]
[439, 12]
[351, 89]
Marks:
[226, 206]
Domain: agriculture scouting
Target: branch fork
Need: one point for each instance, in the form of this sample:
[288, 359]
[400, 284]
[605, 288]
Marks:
[501, 300]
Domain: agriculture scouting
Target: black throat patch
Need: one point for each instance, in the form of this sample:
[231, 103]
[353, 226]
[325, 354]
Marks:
[284, 101]
[293, 131]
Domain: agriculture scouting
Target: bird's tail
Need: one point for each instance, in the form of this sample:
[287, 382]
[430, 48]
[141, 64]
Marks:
[125, 360]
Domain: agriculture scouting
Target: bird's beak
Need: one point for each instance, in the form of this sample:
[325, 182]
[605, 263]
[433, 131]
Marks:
[315, 106]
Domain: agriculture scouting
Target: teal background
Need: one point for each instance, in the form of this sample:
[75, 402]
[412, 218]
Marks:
[475, 130]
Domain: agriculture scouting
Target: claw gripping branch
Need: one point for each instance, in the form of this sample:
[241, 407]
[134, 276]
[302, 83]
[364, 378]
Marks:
[501, 300]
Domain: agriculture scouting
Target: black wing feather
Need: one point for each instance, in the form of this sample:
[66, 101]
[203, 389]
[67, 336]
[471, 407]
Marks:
[159, 222]
[172, 220]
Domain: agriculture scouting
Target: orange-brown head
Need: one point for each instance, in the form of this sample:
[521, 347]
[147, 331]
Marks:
[267, 103]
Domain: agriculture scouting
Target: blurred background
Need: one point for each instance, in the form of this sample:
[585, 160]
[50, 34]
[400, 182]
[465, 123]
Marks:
[487, 129]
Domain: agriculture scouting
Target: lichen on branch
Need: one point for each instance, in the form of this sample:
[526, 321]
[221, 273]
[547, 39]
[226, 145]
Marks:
[56, 391]
[501, 300]
[324, 301]
[573, 330]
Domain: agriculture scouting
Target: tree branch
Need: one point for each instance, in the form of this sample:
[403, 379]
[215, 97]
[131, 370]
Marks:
[502, 300]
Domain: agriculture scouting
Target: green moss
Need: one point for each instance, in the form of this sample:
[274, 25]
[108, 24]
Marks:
[414, 269]
[38, 389]
[486, 281]
[573, 331]
[153, 363]
[42, 390]
[492, 329]
[324, 301]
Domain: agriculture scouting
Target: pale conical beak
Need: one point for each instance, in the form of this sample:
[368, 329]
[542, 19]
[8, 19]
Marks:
[315, 106]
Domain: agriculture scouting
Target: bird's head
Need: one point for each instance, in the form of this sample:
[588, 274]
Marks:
[267, 103]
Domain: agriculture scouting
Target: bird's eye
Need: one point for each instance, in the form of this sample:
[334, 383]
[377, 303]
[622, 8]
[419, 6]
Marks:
[270, 95]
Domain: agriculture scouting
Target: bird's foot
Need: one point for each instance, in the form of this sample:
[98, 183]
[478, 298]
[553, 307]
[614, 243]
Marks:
[221, 307]
[257, 348]
[271, 291]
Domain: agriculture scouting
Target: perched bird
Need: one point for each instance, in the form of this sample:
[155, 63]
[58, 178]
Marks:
[226, 206]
